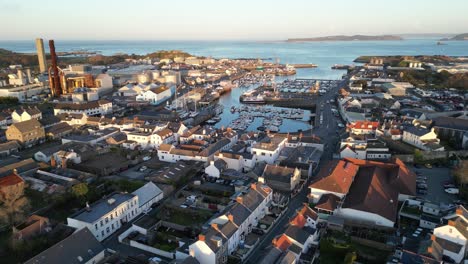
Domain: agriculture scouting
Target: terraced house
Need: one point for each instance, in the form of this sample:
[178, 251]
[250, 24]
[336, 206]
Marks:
[226, 232]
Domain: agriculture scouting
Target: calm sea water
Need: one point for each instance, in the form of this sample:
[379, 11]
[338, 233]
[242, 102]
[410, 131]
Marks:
[325, 54]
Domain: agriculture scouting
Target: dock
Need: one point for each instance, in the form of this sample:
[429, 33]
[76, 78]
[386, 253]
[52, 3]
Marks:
[304, 65]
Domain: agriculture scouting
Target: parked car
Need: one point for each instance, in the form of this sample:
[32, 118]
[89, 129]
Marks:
[143, 168]
[460, 202]
[449, 185]
[422, 178]
[146, 158]
[452, 190]
[421, 192]
[422, 186]
[258, 231]
[427, 165]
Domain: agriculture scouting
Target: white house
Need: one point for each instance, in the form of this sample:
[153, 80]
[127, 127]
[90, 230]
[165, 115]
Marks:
[422, 138]
[155, 96]
[25, 114]
[148, 194]
[94, 108]
[268, 151]
[216, 168]
[106, 216]
[453, 237]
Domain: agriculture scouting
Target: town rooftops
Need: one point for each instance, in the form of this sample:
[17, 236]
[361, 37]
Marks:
[451, 123]
[417, 130]
[9, 145]
[101, 207]
[328, 202]
[336, 178]
[10, 180]
[30, 110]
[165, 147]
[367, 125]
[373, 192]
[78, 248]
[27, 126]
[278, 173]
[81, 106]
[147, 192]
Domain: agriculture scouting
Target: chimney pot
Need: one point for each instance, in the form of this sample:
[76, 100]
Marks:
[201, 237]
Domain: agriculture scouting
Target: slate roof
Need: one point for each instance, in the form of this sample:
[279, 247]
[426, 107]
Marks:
[451, 123]
[278, 173]
[9, 145]
[418, 131]
[27, 126]
[146, 193]
[82, 244]
[101, 207]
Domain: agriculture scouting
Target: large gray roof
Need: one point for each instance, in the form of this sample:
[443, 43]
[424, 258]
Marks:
[80, 245]
[101, 207]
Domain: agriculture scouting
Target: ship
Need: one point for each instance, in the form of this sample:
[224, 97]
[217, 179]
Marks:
[252, 99]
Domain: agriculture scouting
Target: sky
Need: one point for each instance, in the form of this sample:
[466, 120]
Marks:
[225, 20]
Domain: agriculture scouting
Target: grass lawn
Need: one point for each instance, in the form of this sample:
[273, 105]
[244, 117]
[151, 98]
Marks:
[185, 218]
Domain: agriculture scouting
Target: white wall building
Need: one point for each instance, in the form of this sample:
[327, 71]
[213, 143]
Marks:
[94, 108]
[106, 216]
[148, 195]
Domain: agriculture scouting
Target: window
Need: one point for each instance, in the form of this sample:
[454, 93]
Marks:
[102, 223]
[107, 220]
[112, 226]
[107, 230]
[112, 217]
[95, 226]
[102, 232]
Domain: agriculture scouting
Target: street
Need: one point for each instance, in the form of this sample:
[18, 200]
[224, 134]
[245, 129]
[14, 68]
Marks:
[327, 132]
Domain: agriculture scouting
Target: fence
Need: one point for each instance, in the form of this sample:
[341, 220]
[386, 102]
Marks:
[153, 250]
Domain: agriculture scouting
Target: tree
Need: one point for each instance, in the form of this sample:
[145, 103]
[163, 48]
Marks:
[350, 257]
[13, 204]
[418, 156]
[80, 190]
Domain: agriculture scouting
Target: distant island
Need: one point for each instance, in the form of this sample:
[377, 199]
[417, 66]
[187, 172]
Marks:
[457, 37]
[347, 38]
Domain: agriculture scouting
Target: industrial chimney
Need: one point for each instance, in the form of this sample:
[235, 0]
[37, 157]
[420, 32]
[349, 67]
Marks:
[54, 77]
[41, 57]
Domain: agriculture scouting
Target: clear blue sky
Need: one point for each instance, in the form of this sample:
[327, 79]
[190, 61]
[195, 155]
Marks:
[221, 19]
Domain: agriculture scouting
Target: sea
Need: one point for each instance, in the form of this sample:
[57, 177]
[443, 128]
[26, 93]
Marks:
[324, 54]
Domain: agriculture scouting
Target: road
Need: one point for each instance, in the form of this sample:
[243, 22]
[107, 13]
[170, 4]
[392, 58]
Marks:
[327, 131]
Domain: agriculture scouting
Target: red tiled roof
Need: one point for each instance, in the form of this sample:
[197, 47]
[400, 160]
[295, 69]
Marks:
[10, 180]
[328, 202]
[283, 242]
[299, 220]
[308, 212]
[336, 179]
[364, 125]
